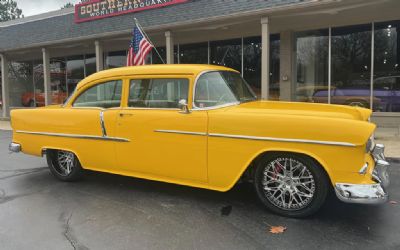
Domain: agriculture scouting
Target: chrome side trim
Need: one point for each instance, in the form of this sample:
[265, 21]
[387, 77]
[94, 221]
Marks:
[103, 127]
[258, 138]
[180, 132]
[90, 137]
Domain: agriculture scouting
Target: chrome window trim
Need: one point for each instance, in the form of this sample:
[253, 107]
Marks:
[180, 132]
[257, 138]
[77, 136]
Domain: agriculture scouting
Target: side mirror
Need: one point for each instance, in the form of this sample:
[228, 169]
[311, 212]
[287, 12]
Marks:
[184, 107]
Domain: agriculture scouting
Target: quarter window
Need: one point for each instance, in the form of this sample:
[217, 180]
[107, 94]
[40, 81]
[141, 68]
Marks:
[104, 95]
[157, 93]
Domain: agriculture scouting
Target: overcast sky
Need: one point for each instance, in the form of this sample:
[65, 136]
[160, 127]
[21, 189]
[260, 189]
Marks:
[33, 7]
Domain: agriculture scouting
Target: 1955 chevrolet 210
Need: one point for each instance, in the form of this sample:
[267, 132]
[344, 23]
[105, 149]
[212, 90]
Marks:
[202, 126]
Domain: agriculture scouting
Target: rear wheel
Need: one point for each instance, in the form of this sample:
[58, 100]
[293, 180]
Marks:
[64, 165]
[291, 185]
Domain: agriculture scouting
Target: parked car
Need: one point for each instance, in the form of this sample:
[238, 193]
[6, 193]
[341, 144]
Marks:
[386, 95]
[30, 99]
[201, 126]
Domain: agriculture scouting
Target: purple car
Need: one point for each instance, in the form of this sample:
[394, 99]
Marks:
[386, 95]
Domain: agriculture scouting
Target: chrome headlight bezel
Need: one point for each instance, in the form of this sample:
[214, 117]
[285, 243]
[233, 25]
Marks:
[369, 147]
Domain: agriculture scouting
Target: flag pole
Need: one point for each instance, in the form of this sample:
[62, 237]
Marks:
[148, 39]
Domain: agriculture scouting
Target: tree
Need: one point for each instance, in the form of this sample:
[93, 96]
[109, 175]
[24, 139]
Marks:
[67, 5]
[9, 10]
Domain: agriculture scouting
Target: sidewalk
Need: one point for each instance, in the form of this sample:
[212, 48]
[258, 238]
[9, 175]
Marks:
[390, 137]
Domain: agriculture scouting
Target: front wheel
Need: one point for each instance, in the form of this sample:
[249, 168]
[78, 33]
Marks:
[64, 165]
[291, 185]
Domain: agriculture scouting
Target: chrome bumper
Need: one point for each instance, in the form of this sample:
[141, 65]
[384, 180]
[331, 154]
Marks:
[368, 193]
[14, 147]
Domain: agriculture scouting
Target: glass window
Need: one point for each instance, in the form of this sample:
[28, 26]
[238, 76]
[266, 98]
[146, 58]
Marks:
[221, 87]
[104, 95]
[387, 70]
[155, 58]
[90, 64]
[58, 80]
[75, 72]
[312, 64]
[115, 59]
[38, 84]
[351, 65]
[227, 53]
[252, 64]
[158, 93]
[21, 87]
[193, 53]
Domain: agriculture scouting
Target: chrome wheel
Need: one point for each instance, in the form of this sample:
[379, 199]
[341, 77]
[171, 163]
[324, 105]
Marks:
[288, 184]
[66, 162]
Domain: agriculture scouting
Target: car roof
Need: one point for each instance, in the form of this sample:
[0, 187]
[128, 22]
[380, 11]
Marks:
[158, 69]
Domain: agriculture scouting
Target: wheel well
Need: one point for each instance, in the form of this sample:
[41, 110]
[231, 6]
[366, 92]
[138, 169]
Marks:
[249, 174]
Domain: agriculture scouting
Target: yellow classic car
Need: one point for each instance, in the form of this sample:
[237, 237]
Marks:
[201, 126]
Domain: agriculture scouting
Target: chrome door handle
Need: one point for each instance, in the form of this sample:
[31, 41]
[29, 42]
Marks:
[125, 114]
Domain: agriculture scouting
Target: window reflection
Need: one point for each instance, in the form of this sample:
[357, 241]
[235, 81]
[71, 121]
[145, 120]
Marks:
[21, 84]
[193, 53]
[90, 64]
[58, 78]
[351, 66]
[155, 58]
[312, 49]
[387, 69]
[227, 53]
[115, 59]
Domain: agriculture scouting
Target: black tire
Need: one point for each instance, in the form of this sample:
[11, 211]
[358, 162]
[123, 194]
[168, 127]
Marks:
[53, 161]
[32, 104]
[320, 185]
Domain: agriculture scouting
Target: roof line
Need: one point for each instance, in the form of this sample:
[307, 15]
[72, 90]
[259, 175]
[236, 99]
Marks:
[38, 17]
[264, 11]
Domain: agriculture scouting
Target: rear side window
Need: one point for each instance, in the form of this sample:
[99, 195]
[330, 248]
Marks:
[158, 93]
[103, 95]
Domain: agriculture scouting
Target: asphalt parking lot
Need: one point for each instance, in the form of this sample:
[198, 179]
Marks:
[113, 212]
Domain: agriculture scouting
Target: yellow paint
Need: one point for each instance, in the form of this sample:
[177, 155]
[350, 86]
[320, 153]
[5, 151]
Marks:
[196, 160]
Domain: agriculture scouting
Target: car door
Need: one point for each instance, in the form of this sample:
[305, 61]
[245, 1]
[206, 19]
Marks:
[92, 115]
[164, 143]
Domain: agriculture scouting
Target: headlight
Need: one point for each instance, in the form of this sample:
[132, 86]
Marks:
[370, 144]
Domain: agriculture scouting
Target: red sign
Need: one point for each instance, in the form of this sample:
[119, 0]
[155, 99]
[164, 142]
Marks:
[97, 9]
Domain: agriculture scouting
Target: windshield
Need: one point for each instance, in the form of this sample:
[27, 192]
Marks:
[221, 87]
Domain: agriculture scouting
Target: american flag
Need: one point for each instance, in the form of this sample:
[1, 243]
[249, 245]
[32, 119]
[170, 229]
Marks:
[139, 48]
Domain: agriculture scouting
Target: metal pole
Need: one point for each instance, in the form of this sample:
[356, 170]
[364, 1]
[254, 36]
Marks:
[330, 65]
[371, 104]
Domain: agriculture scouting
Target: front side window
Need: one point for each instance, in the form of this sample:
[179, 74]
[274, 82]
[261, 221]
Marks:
[158, 93]
[104, 95]
[220, 88]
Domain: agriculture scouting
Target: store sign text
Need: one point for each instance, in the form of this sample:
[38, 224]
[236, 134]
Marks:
[98, 9]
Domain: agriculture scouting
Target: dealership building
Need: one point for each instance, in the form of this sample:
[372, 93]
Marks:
[327, 51]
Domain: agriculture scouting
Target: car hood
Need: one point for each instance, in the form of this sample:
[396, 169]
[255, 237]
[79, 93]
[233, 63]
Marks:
[305, 109]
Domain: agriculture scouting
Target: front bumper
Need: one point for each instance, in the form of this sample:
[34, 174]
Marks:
[368, 193]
